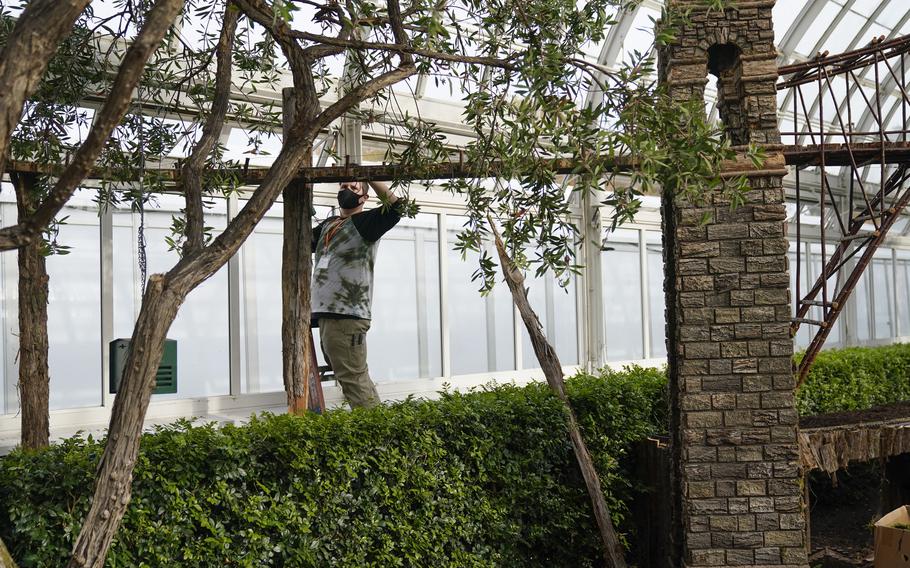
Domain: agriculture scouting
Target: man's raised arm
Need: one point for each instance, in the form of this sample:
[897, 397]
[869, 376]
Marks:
[382, 190]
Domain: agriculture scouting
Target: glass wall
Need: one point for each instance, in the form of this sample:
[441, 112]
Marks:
[482, 328]
[622, 284]
[405, 337]
[882, 275]
[74, 308]
[555, 305]
[798, 269]
[201, 327]
[656, 297]
[412, 306]
[260, 304]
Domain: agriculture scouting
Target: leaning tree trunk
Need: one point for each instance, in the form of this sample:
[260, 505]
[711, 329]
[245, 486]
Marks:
[113, 481]
[552, 369]
[296, 266]
[163, 298]
[6, 560]
[34, 379]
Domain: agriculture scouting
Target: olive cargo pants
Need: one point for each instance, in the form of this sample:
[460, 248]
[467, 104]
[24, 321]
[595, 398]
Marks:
[345, 348]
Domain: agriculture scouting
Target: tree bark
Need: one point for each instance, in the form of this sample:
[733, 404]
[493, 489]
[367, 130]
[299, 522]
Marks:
[6, 560]
[34, 378]
[552, 369]
[192, 168]
[296, 267]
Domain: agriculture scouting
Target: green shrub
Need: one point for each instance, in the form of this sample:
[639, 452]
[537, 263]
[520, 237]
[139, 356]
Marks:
[480, 479]
[856, 378]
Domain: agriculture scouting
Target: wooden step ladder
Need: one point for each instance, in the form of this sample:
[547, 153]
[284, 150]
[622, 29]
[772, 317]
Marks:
[312, 390]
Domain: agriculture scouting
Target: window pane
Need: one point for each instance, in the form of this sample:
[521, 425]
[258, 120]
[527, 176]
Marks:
[74, 308]
[884, 285]
[622, 296]
[813, 269]
[802, 339]
[861, 301]
[656, 295]
[481, 328]
[555, 307]
[260, 304]
[404, 338]
[201, 327]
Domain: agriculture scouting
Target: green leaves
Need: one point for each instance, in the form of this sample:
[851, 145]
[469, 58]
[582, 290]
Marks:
[855, 378]
[485, 479]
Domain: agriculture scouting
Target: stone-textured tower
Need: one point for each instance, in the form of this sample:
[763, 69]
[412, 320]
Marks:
[734, 444]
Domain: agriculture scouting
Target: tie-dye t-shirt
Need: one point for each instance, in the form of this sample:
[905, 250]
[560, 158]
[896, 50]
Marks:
[345, 249]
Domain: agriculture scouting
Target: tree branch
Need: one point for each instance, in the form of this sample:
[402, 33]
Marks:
[361, 93]
[401, 36]
[404, 48]
[6, 560]
[25, 57]
[260, 12]
[159, 19]
[192, 168]
[286, 166]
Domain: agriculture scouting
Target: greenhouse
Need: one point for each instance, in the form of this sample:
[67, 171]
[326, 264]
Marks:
[687, 208]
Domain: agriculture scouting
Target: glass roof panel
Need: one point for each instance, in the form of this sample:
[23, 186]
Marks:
[866, 7]
[819, 25]
[845, 33]
[893, 12]
[784, 15]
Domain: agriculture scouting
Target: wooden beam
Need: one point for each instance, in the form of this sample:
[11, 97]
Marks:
[835, 155]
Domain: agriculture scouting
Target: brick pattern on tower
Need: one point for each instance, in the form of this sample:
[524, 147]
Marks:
[734, 424]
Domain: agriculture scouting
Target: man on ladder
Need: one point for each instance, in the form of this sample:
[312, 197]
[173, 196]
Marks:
[342, 292]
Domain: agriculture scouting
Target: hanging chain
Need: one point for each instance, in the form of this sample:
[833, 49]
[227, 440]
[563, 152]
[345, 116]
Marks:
[141, 242]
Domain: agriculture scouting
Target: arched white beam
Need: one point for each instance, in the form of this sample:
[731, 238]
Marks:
[611, 50]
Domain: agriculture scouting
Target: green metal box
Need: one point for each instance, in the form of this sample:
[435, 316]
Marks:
[165, 379]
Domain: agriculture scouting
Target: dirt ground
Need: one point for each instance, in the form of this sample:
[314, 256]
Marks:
[842, 513]
[885, 413]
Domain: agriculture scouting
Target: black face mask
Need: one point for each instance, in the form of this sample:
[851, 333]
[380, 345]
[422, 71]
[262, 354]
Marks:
[348, 198]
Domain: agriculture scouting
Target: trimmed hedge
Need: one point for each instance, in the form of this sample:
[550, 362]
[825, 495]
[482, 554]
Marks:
[480, 479]
[856, 378]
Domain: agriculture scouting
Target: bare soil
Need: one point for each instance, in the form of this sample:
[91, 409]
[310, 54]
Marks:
[896, 412]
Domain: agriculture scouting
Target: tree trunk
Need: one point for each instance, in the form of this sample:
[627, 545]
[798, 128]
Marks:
[6, 561]
[34, 380]
[296, 266]
[552, 369]
[113, 481]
